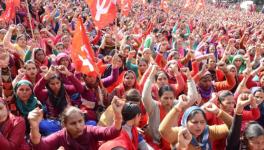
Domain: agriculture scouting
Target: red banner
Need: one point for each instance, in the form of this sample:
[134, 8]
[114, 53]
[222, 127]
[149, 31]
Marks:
[82, 53]
[103, 12]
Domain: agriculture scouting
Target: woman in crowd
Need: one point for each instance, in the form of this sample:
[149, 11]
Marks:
[157, 110]
[194, 120]
[74, 135]
[129, 138]
[13, 130]
[56, 96]
[253, 133]
[30, 72]
[39, 57]
[206, 86]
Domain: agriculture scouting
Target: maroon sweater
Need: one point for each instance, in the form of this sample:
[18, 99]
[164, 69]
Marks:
[12, 134]
[42, 93]
[87, 141]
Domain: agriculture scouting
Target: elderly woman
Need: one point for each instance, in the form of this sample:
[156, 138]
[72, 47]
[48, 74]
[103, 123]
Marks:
[24, 100]
[12, 129]
[75, 135]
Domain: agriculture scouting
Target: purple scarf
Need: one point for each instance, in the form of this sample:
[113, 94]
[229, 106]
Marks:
[205, 94]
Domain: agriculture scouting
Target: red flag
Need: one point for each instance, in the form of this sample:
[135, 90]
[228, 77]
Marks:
[164, 4]
[103, 12]
[82, 53]
[10, 11]
[125, 6]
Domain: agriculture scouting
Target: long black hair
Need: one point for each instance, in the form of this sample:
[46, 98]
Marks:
[59, 101]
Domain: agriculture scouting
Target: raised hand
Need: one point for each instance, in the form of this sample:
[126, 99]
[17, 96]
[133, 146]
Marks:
[183, 102]
[242, 101]
[21, 72]
[12, 27]
[131, 54]
[117, 105]
[184, 138]
[222, 66]
[64, 70]
[51, 72]
[211, 107]
[186, 72]
[35, 116]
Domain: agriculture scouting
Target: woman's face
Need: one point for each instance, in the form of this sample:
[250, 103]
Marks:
[40, 56]
[75, 124]
[142, 66]
[60, 48]
[162, 80]
[167, 99]
[233, 71]
[259, 96]
[90, 80]
[147, 54]
[211, 64]
[212, 49]
[66, 41]
[238, 62]
[65, 62]
[24, 92]
[206, 82]
[31, 70]
[196, 124]
[137, 120]
[22, 41]
[228, 104]
[256, 143]
[129, 80]
[3, 113]
[118, 61]
[55, 85]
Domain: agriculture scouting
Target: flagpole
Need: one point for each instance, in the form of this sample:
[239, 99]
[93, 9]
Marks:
[29, 17]
[116, 33]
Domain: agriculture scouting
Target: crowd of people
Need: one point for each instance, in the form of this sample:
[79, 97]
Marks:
[180, 78]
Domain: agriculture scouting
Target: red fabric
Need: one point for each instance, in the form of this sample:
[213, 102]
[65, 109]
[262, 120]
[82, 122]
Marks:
[147, 32]
[212, 119]
[37, 78]
[107, 15]
[121, 89]
[250, 83]
[164, 144]
[114, 85]
[10, 11]
[122, 140]
[82, 53]
[13, 132]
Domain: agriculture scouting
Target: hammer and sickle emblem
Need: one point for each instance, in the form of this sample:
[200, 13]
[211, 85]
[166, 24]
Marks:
[86, 61]
[102, 8]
